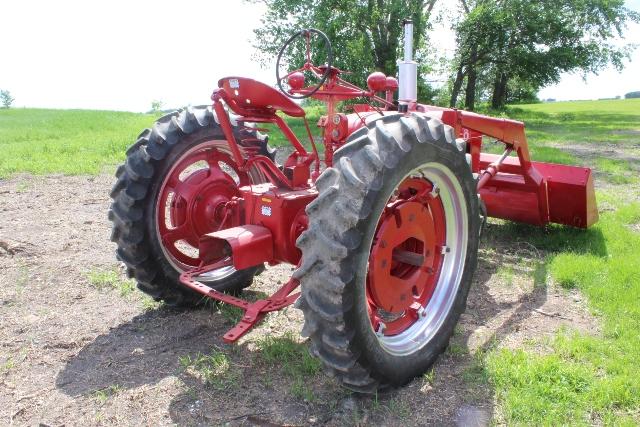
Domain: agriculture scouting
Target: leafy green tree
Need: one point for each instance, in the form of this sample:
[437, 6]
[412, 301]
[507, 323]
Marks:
[156, 106]
[366, 35]
[6, 98]
[534, 42]
[521, 92]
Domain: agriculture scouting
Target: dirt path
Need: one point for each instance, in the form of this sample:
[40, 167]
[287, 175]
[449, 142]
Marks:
[74, 354]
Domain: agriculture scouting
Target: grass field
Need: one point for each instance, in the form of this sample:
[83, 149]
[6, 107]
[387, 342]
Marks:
[65, 141]
[592, 124]
[584, 378]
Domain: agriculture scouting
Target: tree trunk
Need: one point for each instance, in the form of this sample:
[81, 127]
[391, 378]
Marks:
[499, 91]
[470, 91]
[457, 85]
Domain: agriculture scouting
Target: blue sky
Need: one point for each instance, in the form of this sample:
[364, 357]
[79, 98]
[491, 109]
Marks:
[122, 55]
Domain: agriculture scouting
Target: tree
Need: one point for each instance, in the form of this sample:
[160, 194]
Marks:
[534, 42]
[630, 95]
[6, 98]
[365, 34]
[474, 33]
[521, 92]
[156, 106]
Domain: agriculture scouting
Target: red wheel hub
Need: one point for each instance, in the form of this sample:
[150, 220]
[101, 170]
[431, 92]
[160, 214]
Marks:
[194, 200]
[406, 258]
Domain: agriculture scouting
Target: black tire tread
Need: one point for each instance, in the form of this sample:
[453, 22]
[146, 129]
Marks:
[131, 193]
[344, 199]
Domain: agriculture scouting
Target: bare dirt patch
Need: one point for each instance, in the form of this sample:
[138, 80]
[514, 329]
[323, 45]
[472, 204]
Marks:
[76, 354]
[631, 132]
[627, 151]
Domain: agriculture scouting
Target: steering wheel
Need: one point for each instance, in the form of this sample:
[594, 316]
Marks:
[308, 65]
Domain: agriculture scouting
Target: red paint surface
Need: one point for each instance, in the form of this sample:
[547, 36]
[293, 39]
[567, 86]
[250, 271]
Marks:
[249, 245]
[282, 212]
[568, 191]
[412, 226]
[260, 223]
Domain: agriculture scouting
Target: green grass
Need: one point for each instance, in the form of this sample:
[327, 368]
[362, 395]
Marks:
[111, 279]
[116, 281]
[73, 142]
[591, 122]
[66, 141]
[293, 358]
[627, 107]
[213, 369]
[291, 355]
[586, 377]
[429, 377]
[103, 395]
[277, 139]
[231, 313]
[457, 349]
[618, 171]
[506, 274]
[397, 407]
[7, 365]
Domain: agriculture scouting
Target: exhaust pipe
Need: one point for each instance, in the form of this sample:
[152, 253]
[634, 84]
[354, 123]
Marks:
[408, 69]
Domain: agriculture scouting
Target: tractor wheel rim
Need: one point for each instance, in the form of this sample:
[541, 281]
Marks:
[191, 202]
[428, 269]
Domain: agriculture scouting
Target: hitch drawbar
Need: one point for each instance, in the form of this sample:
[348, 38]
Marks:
[247, 246]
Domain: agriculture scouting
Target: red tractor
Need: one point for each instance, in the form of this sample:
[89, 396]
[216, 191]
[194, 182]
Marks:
[385, 238]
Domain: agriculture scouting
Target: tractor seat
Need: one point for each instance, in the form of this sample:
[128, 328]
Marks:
[251, 97]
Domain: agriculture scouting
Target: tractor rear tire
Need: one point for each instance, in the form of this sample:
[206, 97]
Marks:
[337, 248]
[137, 189]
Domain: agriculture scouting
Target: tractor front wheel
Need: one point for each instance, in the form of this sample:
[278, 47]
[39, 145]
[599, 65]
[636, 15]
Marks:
[390, 252]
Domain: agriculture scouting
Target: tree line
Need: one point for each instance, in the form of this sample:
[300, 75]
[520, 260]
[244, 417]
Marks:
[505, 50]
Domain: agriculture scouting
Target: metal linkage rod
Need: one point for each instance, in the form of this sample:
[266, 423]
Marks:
[493, 169]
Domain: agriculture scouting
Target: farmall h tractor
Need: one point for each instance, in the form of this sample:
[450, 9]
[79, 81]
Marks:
[384, 239]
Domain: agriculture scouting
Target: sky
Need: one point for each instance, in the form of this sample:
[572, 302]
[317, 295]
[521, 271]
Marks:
[122, 55]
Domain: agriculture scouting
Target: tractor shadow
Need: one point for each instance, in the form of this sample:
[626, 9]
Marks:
[244, 385]
[140, 352]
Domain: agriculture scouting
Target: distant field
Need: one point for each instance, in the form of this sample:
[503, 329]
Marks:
[71, 142]
[593, 122]
[75, 142]
[606, 132]
[628, 107]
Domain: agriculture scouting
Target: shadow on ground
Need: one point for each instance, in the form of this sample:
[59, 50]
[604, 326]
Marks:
[150, 347]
